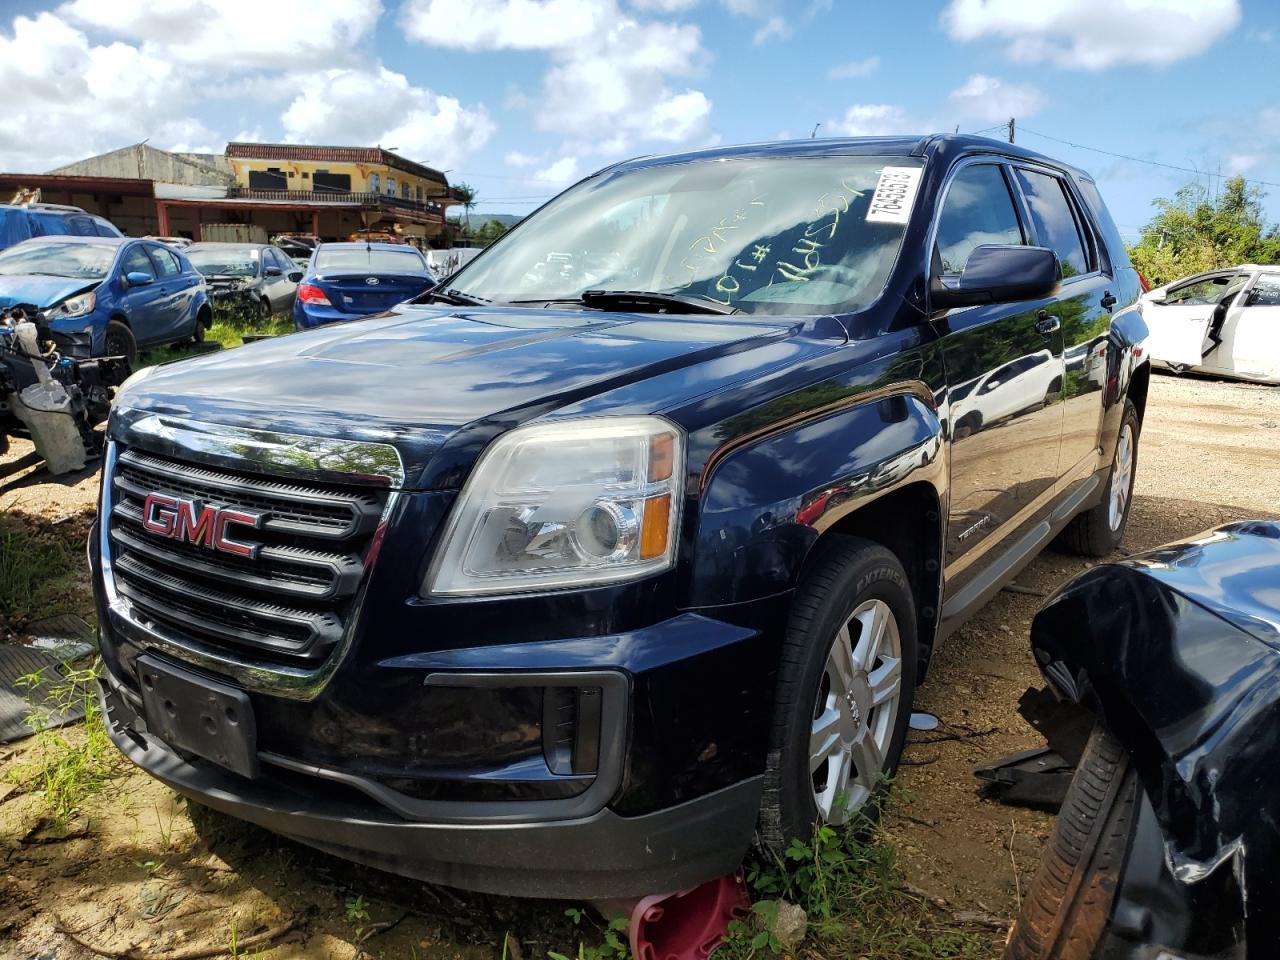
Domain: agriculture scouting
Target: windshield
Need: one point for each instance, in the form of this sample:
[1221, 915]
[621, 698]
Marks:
[83, 261]
[369, 260]
[224, 261]
[765, 236]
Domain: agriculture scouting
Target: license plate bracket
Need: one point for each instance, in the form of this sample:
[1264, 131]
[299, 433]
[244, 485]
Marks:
[195, 714]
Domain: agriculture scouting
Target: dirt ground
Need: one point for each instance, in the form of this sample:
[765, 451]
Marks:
[136, 870]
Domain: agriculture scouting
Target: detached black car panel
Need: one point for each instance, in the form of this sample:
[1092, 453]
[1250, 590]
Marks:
[633, 542]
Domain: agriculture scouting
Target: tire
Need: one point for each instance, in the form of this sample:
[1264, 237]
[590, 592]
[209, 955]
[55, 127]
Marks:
[1099, 530]
[854, 589]
[203, 322]
[119, 342]
[1069, 903]
[264, 311]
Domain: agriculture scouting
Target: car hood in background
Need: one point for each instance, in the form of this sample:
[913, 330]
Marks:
[39, 290]
[415, 377]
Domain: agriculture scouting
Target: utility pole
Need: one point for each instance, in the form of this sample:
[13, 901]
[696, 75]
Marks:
[1013, 123]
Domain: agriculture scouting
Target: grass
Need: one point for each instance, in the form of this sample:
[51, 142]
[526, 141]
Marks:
[38, 572]
[849, 883]
[232, 321]
[68, 764]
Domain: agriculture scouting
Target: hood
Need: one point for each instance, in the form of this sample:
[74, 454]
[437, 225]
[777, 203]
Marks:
[40, 290]
[416, 377]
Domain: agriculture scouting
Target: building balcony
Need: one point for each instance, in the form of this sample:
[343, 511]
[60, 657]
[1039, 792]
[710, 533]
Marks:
[427, 209]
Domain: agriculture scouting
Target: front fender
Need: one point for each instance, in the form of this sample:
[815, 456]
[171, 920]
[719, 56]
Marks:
[1177, 652]
[765, 504]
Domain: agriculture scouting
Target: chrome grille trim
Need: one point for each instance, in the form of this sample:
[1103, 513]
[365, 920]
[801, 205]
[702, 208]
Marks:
[315, 629]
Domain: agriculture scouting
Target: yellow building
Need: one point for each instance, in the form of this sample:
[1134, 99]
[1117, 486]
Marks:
[317, 169]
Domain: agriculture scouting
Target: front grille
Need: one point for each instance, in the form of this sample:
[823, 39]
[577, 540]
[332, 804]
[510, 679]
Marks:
[289, 603]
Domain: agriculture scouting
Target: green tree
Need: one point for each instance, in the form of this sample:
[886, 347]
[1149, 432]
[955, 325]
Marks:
[488, 233]
[466, 193]
[1196, 231]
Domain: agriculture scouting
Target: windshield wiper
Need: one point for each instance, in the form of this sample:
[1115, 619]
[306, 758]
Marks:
[455, 297]
[643, 301]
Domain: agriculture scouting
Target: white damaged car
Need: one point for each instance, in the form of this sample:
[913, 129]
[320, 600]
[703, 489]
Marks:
[1225, 322]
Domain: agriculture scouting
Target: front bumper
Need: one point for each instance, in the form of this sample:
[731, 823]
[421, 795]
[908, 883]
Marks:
[601, 855]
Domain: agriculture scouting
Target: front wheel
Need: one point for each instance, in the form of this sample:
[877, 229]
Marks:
[120, 342]
[845, 686]
[1098, 531]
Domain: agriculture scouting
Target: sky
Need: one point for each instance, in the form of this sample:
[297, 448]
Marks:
[519, 98]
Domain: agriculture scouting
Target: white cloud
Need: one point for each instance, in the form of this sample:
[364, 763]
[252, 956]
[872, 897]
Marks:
[515, 158]
[854, 68]
[870, 120]
[507, 24]
[381, 106]
[1269, 120]
[233, 34]
[990, 98]
[779, 19]
[614, 80]
[1096, 34]
[67, 98]
[1241, 163]
[563, 172]
[664, 6]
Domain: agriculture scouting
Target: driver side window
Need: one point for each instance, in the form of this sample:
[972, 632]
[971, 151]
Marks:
[978, 209]
[137, 261]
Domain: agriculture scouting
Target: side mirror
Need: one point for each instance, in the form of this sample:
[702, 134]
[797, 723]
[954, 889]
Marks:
[295, 276]
[137, 279]
[999, 273]
[273, 272]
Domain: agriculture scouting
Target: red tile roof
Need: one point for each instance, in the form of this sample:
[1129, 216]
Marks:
[314, 154]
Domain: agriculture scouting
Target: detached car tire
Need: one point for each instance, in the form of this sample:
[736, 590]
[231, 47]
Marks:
[1098, 531]
[1069, 904]
[845, 685]
[119, 342]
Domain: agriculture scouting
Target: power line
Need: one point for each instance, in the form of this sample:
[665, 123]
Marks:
[1125, 156]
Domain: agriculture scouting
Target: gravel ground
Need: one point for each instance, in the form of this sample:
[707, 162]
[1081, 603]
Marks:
[1207, 455]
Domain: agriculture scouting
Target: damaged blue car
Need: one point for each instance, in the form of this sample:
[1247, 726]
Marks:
[107, 296]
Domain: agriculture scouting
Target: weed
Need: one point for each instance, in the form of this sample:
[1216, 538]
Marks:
[69, 764]
[613, 947]
[357, 915]
[848, 883]
[37, 573]
[231, 324]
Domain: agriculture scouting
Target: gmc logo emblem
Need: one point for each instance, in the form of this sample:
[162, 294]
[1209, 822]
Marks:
[190, 521]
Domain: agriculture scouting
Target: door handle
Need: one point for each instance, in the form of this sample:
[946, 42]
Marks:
[1108, 300]
[1047, 325]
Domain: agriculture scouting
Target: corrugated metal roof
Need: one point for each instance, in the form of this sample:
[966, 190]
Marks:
[323, 154]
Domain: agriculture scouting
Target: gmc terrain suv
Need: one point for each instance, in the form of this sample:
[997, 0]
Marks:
[631, 540]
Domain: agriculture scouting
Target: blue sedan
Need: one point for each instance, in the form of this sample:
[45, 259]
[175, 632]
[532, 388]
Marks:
[347, 281]
[107, 296]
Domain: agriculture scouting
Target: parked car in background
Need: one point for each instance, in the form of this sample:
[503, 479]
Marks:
[630, 544]
[347, 281]
[261, 275]
[107, 296]
[20, 222]
[1225, 322]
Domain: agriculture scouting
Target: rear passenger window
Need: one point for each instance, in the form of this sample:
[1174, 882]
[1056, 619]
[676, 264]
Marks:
[978, 209]
[166, 262]
[1054, 220]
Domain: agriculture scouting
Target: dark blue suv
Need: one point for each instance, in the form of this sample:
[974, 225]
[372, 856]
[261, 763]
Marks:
[630, 542]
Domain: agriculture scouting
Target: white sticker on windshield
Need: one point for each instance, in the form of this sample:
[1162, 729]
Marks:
[895, 193]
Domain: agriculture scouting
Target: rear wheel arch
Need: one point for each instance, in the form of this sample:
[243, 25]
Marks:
[1139, 384]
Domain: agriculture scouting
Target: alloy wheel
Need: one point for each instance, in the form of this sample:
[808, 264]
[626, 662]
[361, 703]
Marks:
[1121, 477]
[853, 718]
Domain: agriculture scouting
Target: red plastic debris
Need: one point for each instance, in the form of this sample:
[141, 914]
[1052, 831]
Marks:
[690, 924]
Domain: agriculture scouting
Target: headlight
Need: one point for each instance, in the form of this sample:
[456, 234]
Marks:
[77, 306]
[566, 504]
